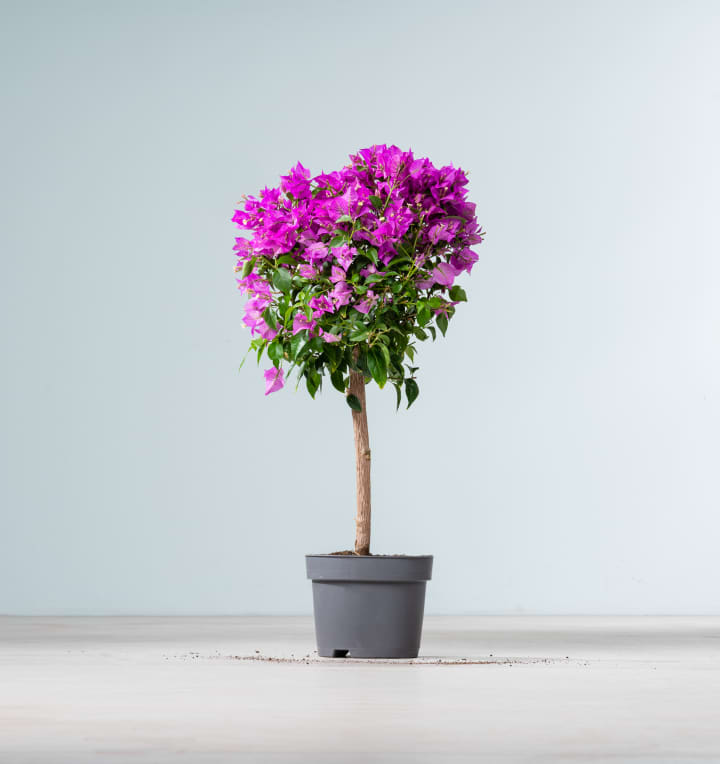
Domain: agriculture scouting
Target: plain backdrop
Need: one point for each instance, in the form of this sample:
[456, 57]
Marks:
[564, 454]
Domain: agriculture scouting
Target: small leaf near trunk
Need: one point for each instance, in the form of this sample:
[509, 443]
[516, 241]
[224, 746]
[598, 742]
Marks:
[353, 402]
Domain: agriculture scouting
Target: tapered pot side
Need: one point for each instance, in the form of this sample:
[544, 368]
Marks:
[368, 606]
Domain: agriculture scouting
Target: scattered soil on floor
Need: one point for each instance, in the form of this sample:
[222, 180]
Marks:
[313, 658]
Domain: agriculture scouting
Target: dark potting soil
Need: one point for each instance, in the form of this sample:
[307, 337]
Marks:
[350, 553]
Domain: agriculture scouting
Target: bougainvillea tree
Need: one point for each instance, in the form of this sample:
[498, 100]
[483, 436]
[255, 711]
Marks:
[346, 271]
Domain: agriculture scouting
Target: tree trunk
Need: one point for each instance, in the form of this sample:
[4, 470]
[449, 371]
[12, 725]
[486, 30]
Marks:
[362, 465]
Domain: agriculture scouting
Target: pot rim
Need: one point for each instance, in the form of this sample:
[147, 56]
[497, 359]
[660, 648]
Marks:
[375, 556]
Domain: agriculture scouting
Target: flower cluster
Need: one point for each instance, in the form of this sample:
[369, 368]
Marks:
[346, 269]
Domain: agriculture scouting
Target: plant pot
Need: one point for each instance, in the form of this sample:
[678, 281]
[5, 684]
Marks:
[368, 606]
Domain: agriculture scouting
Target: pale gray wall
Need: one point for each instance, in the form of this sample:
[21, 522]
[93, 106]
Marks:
[563, 456]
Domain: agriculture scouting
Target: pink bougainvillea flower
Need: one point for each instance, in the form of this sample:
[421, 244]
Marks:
[301, 321]
[341, 294]
[327, 337]
[255, 285]
[320, 305]
[386, 252]
[370, 270]
[443, 309]
[307, 271]
[344, 255]
[242, 248]
[273, 380]
[444, 274]
[464, 260]
[254, 320]
[337, 274]
[444, 230]
[364, 306]
[246, 284]
[251, 322]
[265, 331]
[316, 252]
[297, 182]
[255, 307]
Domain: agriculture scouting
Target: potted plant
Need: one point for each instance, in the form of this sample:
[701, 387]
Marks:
[345, 272]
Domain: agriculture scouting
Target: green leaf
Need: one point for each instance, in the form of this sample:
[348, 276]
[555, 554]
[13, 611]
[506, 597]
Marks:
[275, 351]
[296, 343]
[338, 381]
[411, 390]
[337, 241]
[316, 344]
[247, 268]
[396, 369]
[269, 319]
[359, 336]
[361, 363]
[374, 277]
[242, 363]
[457, 294]
[432, 331]
[286, 260]
[377, 366]
[400, 259]
[423, 313]
[288, 315]
[386, 355]
[353, 402]
[282, 279]
[403, 248]
[344, 219]
[332, 355]
[442, 322]
[376, 202]
[372, 253]
[302, 350]
[260, 352]
[312, 381]
[398, 395]
[282, 305]
[421, 334]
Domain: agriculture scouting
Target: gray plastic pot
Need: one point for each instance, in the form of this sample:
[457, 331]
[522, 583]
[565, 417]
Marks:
[368, 606]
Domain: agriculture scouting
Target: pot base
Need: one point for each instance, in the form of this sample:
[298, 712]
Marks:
[399, 652]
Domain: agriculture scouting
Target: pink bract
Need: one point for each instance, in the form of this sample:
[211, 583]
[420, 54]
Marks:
[273, 380]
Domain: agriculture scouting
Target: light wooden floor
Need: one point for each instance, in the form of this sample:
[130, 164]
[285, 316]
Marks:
[549, 689]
